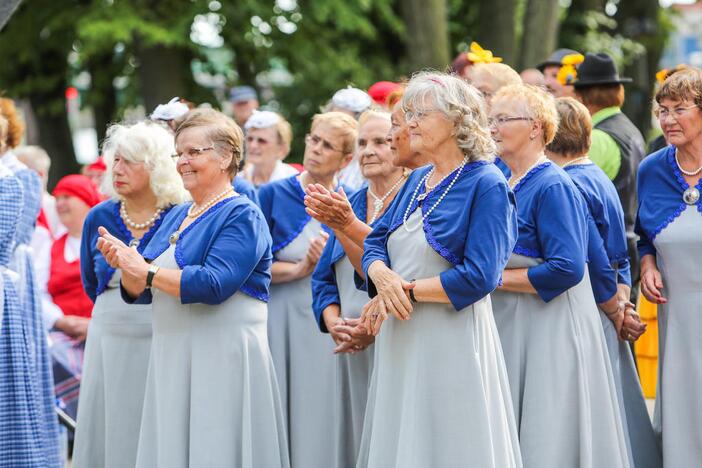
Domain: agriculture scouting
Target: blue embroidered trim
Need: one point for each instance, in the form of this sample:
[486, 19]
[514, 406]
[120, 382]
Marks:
[178, 254]
[684, 186]
[255, 294]
[431, 240]
[519, 250]
[126, 233]
[529, 175]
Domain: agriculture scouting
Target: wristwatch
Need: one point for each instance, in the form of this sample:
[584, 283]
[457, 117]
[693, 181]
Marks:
[153, 269]
[411, 291]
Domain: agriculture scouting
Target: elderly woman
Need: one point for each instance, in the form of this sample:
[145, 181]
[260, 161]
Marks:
[303, 357]
[268, 139]
[439, 393]
[569, 150]
[211, 397]
[337, 303]
[669, 224]
[23, 263]
[561, 380]
[143, 187]
[488, 78]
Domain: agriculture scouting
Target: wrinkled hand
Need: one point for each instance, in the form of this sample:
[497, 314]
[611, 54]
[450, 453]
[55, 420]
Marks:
[314, 252]
[632, 327]
[373, 314]
[355, 336]
[330, 208]
[119, 255]
[652, 285]
[73, 326]
[392, 289]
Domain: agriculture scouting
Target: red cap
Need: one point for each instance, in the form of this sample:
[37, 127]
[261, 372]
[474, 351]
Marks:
[78, 186]
[98, 165]
[381, 90]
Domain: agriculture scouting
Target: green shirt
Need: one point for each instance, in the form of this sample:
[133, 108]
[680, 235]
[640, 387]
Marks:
[604, 151]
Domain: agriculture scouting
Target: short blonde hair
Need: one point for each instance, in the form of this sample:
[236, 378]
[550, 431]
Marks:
[285, 132]
[15, 126]
[225, 134]
[500, 74]
[461, 103]
[151, 144]
[372, 114]
[34, 157]
[682, 85]
[539, 105]
[342, 122]
[574, 134]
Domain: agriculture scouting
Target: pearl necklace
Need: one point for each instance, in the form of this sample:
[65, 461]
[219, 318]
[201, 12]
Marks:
[195, 213]
[687, 173]
[379, 202]
[138, 226]
[458, 171]
[513, 182]
[575, 161]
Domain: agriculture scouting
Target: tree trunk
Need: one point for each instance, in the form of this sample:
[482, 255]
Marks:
[55, 138]
[497, 28]
[164, 73]
[539, 33]
[427, 33]
[639, 22]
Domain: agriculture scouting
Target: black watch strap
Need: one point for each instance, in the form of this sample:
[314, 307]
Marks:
[411, 292]
[153, 269]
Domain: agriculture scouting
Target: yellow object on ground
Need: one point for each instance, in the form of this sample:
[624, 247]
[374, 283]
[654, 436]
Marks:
[646, 347]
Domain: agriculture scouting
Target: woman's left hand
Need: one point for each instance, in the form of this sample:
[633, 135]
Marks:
[360, 336]
[330, 208]
[632, 328]
[392, 289]
[119, 255]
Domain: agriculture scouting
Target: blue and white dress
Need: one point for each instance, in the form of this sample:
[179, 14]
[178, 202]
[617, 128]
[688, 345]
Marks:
[303, 357]
[21, 432]
[117, 351]
[23, 263]
[606, 210]
[561, 379]
[333, 283]
[439, 395]
[670, 230]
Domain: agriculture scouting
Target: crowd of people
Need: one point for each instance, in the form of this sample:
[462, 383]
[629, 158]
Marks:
[448, 279]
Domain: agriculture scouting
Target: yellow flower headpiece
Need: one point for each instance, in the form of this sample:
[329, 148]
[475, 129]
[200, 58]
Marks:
[663, 75]
[479, 55]
[569, 72]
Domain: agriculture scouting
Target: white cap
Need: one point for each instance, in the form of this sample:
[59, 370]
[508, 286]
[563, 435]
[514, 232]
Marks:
[262, 119]
[352, 99]
[170, 111]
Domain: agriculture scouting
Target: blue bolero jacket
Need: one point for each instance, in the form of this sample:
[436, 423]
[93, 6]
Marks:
[474, 228]
[660, 189]
[227, 249]
[244, 187]
[94, 270]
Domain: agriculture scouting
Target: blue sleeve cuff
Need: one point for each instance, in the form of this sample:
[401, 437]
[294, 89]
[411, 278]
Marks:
[144, 298]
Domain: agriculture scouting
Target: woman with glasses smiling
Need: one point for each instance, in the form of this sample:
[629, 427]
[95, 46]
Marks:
[560, 376]
[438, 393]
[303, 357]
[669, 225]
[211, 396]
[143, 185]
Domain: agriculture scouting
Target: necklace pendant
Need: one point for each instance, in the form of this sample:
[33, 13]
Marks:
[134, 243]
[378, 205]
[174, 238]
[691, 195]
[422, 196]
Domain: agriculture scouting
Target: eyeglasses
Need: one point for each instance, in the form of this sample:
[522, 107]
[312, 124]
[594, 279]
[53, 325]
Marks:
[418, 114]
[314, 140]
[664, 112]
[500, 121]
[192, 153]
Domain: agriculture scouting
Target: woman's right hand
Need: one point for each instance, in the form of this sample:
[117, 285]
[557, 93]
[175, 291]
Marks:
[392, 289]
[651, 280]
[305, 267]
[330, 208]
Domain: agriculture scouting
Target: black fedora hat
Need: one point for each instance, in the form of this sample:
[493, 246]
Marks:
[556, 58]
[598, 69]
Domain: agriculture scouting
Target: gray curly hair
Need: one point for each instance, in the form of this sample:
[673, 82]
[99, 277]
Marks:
[460, 103]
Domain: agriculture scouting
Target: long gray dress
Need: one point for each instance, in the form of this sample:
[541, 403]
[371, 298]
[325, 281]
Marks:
[562, 385]
[643, 446]
[352, 374]
[116, 360]
[439, 395]
[304, 362]
[211, 396]
[678, 413]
